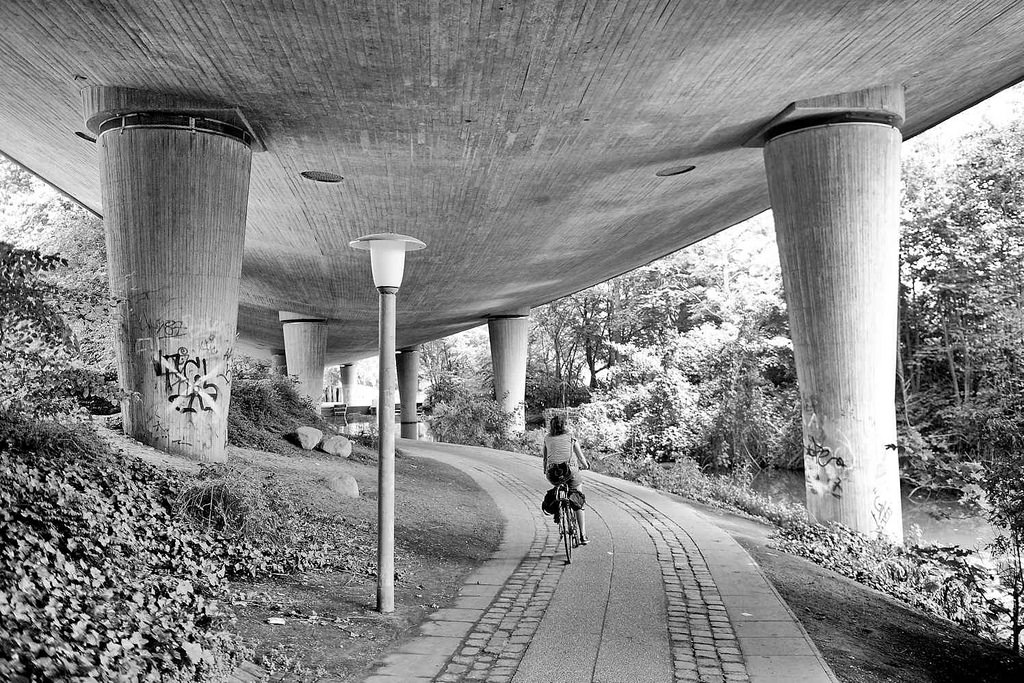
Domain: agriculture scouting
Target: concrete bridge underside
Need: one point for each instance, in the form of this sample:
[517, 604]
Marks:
[538, 148]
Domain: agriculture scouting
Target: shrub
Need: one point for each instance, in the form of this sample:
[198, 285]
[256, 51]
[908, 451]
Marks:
[460, 416]
[264, 407]
[236, 501]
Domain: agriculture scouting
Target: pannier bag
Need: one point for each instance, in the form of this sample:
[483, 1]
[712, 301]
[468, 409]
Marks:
[550, 505]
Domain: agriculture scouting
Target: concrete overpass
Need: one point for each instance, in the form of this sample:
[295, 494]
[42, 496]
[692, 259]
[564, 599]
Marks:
[536, 147]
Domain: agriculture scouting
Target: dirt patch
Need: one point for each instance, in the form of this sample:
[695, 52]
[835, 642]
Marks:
[867, 636]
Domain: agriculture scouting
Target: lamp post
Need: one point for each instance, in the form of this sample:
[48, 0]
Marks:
[387, 261]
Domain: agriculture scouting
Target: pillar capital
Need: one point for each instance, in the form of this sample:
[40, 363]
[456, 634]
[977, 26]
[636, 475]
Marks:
[882, 105]
[292, 317]
[113, 107]
[523, 312]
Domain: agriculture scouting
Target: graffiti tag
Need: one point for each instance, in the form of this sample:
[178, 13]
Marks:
[189, 384]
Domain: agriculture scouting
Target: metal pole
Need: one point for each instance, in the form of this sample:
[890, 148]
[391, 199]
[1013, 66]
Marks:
[387, 379]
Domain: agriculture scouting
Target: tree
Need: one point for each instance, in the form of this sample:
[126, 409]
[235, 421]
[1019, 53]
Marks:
[962, 289]
[33, 216]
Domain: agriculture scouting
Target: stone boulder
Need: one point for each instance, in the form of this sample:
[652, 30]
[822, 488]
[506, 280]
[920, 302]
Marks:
[337, 445]
[309, 437]
[344, 484]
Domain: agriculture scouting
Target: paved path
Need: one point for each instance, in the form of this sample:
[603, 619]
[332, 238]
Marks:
[660, 594]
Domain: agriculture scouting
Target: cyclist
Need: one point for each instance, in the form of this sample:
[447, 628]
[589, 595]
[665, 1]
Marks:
[560, 448]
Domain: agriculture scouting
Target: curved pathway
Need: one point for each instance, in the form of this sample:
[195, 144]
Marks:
[660, 594]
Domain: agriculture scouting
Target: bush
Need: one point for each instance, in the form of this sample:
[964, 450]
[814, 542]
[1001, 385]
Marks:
[98, 580]
[977, 592]
[460, 416]
[236, 501]
[264, 407]
[685, 478]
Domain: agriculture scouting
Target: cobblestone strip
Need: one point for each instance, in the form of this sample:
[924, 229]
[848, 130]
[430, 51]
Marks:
[703, 642]
[496, 644]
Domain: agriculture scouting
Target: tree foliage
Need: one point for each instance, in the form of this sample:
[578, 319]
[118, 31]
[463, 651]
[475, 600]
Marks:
[962, 303]
[55, 327]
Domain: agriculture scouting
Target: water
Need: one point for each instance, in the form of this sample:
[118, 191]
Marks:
[942, 520]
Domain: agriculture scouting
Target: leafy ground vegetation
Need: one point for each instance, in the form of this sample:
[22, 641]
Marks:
[100, 578]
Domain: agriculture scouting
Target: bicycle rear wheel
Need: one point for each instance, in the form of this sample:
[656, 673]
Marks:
[566, 529]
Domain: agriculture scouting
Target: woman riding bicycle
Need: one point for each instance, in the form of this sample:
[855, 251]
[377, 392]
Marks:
[561, 449]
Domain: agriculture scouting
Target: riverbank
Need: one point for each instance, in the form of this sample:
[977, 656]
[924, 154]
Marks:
[867, 636]
[936, 519]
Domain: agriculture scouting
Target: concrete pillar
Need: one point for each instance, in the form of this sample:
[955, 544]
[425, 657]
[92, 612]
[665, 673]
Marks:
[175, 191]
[305, 348]
[408, 386]
[278, 363]
[348, 383]
[509, 338]
[834, 190]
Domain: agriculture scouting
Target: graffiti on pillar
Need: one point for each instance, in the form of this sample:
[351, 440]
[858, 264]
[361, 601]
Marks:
[191, 386]
[167, 329]
[160, 328]
[826, 479]
[155, 428]
[881, 510]
[209, 344]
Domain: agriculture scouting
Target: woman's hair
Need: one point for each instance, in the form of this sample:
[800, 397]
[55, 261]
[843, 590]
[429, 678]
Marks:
[557, 427]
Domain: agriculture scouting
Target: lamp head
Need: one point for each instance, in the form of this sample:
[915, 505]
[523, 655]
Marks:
[387, 256]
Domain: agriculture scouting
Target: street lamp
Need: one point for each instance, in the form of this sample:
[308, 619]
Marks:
[387, 261]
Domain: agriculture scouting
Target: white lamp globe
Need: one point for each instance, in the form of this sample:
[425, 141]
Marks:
[387, 256]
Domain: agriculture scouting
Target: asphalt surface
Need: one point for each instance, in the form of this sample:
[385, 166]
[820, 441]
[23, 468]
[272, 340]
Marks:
[659, 594]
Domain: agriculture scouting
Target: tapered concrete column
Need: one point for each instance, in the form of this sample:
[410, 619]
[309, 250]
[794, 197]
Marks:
[305, 349]
[348, 383]
[408, 386]
[835, 194]
[174, 205]
[278, 363]
[509, 344]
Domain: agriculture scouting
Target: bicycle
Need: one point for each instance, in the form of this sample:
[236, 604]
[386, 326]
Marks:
[568, 530]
